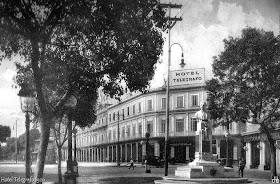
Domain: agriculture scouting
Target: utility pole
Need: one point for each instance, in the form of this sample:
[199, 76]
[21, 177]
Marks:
[171, 22]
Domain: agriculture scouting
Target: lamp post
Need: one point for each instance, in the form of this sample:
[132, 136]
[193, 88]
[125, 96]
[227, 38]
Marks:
[75, 163]
[147, 160]
[70, 175]
[27, 102]
[227, 134]
[182, 64]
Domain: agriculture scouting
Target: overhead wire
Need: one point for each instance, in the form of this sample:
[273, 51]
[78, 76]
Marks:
[182, 8]
[187, 9]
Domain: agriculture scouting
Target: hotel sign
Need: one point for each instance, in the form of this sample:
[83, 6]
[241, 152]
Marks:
[187, 77]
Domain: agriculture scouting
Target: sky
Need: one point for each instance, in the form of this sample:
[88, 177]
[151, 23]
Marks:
[201, 32]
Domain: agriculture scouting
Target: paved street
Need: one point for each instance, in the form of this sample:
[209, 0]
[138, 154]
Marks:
[108, 173]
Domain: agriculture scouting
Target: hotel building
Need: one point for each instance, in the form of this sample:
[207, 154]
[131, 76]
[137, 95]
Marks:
[124, 125]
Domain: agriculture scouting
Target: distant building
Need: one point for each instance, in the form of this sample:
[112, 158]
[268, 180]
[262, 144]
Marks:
[126, 123]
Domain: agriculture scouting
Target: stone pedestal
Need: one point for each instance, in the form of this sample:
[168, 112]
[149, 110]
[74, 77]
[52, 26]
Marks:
[205, 164]
[204, 168]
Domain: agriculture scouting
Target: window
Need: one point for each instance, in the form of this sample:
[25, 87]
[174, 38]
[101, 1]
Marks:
[128, 131]
[163, 103]
[114, 134]
[140, 130]
[127, 111]
[180, 125]
[133, 130]
[150, 126]
[180, 101]
[193, 124]
[162, 126]
[123, 132]
[139, 107]
[150, 105]
[194, 100]
[110, 136]
[123, 114]
[114, 116]
[133, 109]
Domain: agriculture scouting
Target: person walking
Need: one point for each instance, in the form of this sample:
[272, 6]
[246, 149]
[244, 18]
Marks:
[241, 165]
[131, 164]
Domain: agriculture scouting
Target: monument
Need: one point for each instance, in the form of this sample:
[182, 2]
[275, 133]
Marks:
[204, 168]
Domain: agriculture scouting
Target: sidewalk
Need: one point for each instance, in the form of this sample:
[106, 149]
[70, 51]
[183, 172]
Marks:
[112, 174]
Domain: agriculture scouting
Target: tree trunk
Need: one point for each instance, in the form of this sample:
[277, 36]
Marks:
[272, 160]
[45, 115]
[271, 141]
[44, 140]
[59, 165]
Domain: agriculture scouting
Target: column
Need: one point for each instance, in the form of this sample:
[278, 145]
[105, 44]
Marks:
[248, 155]
[144, 150]
[187, 153]
[262, 149]
[137, 158]
[98, 154]
[218, 147]
[172, 154]
[126, 153]
[131, 151]
[108, 153]
[92, 154]
[121, 153]
[157, 149]
[112, 153]
[235, 151]
[104, 154]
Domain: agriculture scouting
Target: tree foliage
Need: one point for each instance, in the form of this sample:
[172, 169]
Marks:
[34, 135]
[5, 132]
[224, 104]
[76, 46]
[250, 64]
[248, 72]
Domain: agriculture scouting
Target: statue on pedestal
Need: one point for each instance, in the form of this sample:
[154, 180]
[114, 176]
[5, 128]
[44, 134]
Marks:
[204, 123]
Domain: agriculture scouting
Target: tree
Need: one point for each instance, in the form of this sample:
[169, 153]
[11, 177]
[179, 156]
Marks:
[248, 69]
[224, 106]
[5, 132]
[82, 44]
[61, 135]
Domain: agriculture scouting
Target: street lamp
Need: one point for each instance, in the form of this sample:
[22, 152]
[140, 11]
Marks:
[227, 134]
[27, 102]
[182, 64]
[75, 163]
[70, 175]
[147, 160]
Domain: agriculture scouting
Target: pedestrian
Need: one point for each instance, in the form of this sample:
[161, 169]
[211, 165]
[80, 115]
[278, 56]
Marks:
[131, 164]
[241, 165]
